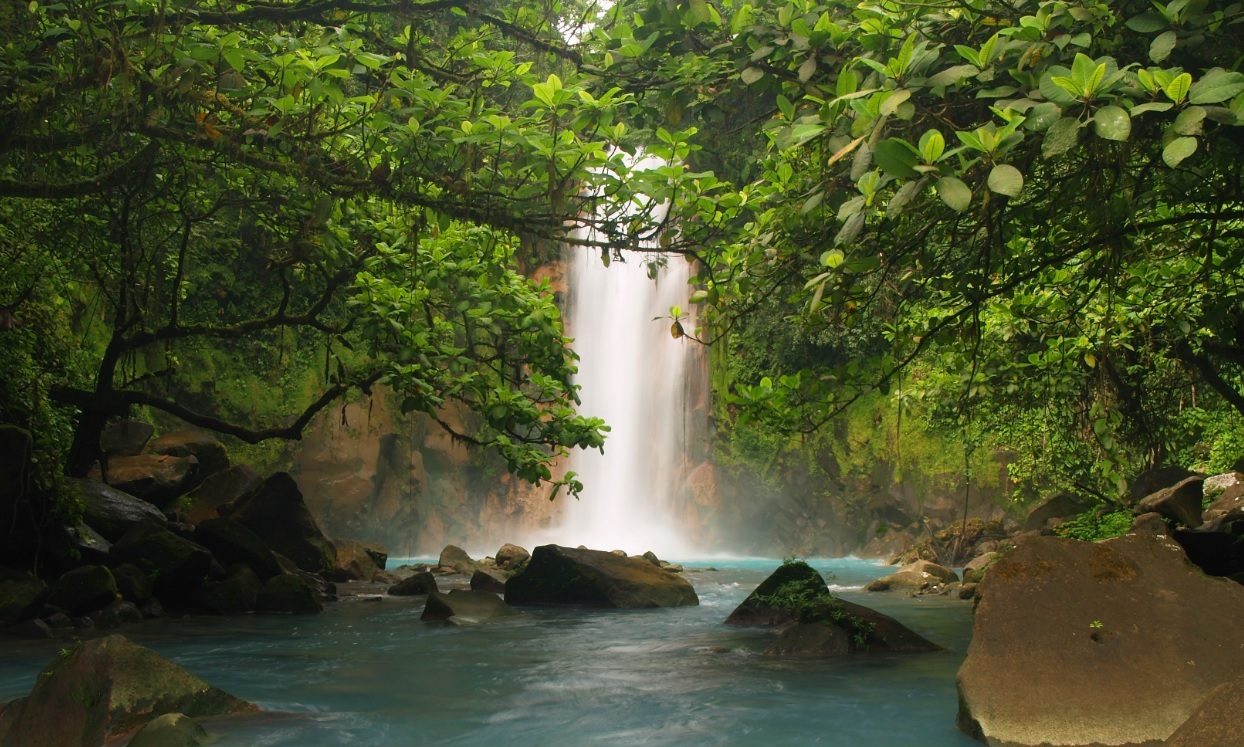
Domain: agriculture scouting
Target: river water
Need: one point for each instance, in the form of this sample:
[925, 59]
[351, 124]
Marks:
[370, 674]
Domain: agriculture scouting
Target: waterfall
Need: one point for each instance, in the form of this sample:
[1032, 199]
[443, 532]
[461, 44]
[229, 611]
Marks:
[632, 373]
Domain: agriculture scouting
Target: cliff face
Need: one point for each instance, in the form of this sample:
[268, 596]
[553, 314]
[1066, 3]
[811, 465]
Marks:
[368, 472]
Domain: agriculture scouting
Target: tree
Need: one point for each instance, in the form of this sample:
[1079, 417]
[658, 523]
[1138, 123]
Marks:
[179, 177]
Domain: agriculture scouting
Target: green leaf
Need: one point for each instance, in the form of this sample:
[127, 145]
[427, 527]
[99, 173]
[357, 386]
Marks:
[956, 194]
[1178, 149]
[751, 74]
[1177, 89]
[1042, 116]
[1162, 46]
[832, 258]
[951, 75]
[850, 230]
[1189, 121]
[1147, 23]
[1152, 106]
[1061, 137]
[932, 145]
[807, 69]
[1005, 179]
[904, 195]
[1112, 123]
[1216, 86]
[897, 158]
[892, 102]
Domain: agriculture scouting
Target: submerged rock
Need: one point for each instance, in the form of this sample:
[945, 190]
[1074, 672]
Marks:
[104, 687]
[811, 640]
[564, 575]
[420, 583]
[462, 607]
[1079, 643]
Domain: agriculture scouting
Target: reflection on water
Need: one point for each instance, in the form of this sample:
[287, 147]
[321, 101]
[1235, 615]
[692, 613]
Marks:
[371, 674]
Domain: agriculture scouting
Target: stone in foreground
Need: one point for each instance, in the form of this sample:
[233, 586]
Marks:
[1108, 643]
[462, 607]
[171, 730]
[595, 578]
[1219, 722]
[105, 687]
[420, 583]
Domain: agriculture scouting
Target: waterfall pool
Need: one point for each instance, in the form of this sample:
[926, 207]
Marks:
[370, 674]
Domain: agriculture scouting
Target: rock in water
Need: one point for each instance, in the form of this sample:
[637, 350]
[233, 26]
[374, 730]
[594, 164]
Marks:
[465, 607]
[915, 577]
[797, 579]
[170, 730]
[455, 557]
[488, 579]
[1078, 643]
[355, 562]
[420, 583]
[279, 516]
[563, 575]
[510, 557]
[103, 687]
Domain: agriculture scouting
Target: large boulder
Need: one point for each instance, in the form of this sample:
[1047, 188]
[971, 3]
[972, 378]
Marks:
[277, 513]
[462, 607]
[154, 478]
[176, 565]
[810, 641]
[1217, 722]
[84, 590]
[416, 585]
[1217, 546]
[21, 597]
[232, 542]
[204, 447]
[563, 575]
[125, 437]
[795, 595]
[915, 577]
[355, 562]
[455, 557]
[510, 557]
[220, 489]
[102, 688]
[1061, 506]
[488, 579]
[1154, 479]
[289, 594]
[1180, 502]
[111, 512]
[1230, 498]
[1078, 643]
[236, 595]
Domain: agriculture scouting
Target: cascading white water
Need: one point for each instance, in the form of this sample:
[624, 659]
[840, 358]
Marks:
[633, 374]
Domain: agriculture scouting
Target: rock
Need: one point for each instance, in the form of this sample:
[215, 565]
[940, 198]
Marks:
[796, 594]
[31, 629]
[1061, 506]
[325, 590]
[1215, 485]
[125, 437]
[133, 583]
[1180, 503]
[967, 590]
[510, 557]
[487, 579]
[562, 575]
[21, 598]
[1218, 546]
[1150, 523]
[70, 546]
[916, 577]
[464, 607]
[170, 730]
[102, 688]
[59, 621]
[236, 595]
[232, 542]
[1230, 499]
[279, 516]
[117, 614]
[420, 583]
[378, 553]
[1152, 480]
[811, 640]
[151, 609]
[204, 447]
[176, 566]
[354, 562]
[111, 512]
[220, 489]
[154, 478]
[388, 578]
[288, 594]
[974, 571]
[1217, 722]
[455, 557]
[651, 557]
[1078, 643]
[795, 579]
[84, 589]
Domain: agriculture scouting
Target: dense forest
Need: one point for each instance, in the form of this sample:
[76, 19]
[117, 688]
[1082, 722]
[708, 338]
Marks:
[994, 227]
